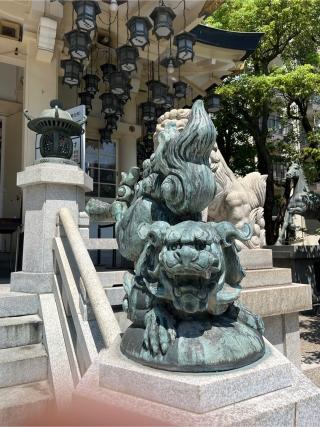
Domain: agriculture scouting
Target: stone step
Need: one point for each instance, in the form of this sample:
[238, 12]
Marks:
[256, 259]
[17, 303]
[267, 277]
[24, 402]
[112, 277]
[21, 365]
[115, 295]
[20, 331]
[276, 300]
[311, 371]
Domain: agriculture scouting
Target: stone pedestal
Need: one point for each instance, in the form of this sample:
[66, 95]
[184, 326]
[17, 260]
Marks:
[270, 392]
[47, 187]
[268, 290]
[304, 262]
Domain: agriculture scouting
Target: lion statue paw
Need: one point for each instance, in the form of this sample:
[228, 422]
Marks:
[160, 330]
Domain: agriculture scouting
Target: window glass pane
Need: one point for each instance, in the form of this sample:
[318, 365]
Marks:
[92, 153]
[101, 167]
[94, 173]
[95, 192]
[107, 190]
[107, 156]
[107, 176]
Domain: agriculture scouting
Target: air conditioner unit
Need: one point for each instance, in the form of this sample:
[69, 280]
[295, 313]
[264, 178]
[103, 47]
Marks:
[10, 30]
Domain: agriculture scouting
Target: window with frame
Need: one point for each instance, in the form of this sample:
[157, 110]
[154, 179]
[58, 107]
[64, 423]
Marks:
[101, 165]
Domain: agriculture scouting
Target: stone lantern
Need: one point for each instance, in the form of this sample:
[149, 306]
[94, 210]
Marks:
[57, 129]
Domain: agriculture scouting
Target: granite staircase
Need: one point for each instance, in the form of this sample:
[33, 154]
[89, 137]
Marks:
[25, 390]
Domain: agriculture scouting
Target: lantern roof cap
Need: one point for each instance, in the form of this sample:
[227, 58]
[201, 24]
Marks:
[95, 4]
[142, 18]
[185, 34]
[158, 9]
[55, 118]
[85, 34]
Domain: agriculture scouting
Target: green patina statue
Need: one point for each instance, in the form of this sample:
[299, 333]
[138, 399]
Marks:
[181, 296]
[302, 202]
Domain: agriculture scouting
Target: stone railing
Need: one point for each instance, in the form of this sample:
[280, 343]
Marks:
[78, 284]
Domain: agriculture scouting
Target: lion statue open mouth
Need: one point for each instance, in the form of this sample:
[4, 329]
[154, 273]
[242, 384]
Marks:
[182, 295]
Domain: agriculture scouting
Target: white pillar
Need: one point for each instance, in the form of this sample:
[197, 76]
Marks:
[40, 87]
[47, 187]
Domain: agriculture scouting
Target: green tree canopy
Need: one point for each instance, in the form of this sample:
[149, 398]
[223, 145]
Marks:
[281, 75]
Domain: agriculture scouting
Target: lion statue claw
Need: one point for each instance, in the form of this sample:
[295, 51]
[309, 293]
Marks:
[160, 330]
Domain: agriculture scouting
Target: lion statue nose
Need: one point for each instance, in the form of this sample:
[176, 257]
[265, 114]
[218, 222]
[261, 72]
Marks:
[186, 255]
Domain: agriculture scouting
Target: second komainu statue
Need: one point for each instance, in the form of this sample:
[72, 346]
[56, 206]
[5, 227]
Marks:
[182, 295]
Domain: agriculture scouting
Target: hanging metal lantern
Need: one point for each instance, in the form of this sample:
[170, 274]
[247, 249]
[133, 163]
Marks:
[119, 110]
[86, 100]
[86, 14]
[79, 44]
[92, 82]
[56, 128]
[109, 103]
[107, 69]
[139, 27]
[158, 91]
[169, 102]
[105, 136]
[72, 71]
[184, 43]
[163, 17]
[118, 82]
[212, 103]
[126, 94]
[151, 128]
[127, 58]
[148, 111]
[160, 110]
[112, 122]
[180, 89]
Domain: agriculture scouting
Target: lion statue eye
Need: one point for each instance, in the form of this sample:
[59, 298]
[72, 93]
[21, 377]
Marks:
[200, 246]
[174, 246]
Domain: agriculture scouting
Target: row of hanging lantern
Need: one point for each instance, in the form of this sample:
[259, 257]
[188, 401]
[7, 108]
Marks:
[117, 77]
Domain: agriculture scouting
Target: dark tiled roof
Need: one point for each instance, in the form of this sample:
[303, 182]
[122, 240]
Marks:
[227, 39]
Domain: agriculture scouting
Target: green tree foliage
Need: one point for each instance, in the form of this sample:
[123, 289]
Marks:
[280, 75]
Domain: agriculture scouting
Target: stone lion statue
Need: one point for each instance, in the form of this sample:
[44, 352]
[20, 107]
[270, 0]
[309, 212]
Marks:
[182, 294]
[238, 200]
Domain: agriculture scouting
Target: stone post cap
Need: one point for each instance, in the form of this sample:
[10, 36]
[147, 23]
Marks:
[54, 173]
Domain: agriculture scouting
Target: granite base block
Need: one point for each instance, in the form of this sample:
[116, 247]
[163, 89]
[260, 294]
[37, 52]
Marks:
[201, 392]
[295, 406]
[37, 283]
